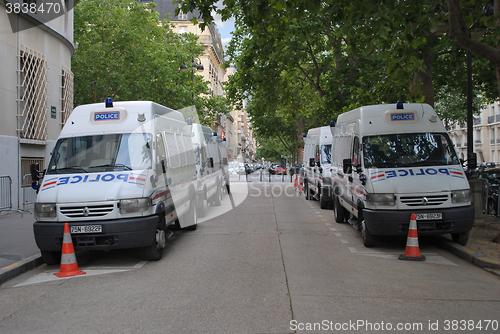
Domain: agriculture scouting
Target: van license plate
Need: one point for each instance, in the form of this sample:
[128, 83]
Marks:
[86, 229]
[429, 216]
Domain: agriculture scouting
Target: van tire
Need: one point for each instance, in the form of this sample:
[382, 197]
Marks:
[461, 238]
[202, 210]
[51, 257]
[193, 218]
[155, 251]
[322, 203]
[339, 211]
[368, 239]
[218, 196]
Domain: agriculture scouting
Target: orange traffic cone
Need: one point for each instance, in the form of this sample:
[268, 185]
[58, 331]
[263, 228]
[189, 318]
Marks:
[412, 252]
[296, 180]
[69, 267]
[301, 184]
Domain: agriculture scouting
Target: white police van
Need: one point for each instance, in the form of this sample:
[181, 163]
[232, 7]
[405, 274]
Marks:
[119, 174]
[317, 165]
[211, 180]
[390, 161]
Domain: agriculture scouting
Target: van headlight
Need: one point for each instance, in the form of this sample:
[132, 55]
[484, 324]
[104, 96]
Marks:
[461, 196]
[135, 205]
[381, 199]
[47, 210]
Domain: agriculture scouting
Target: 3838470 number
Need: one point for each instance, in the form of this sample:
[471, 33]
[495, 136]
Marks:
[33, 8]
[462, 325]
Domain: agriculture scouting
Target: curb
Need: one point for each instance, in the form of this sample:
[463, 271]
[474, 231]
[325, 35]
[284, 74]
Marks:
[470, 255]
[20, 267]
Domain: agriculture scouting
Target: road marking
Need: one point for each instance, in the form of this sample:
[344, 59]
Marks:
[49, 276]
[10, 266]
[433, 258]
[328, 224]
[344, 241]
[338, 234]
[333, 229]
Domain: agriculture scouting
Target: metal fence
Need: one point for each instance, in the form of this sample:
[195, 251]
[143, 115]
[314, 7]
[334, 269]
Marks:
[29, 194]
[5, 193]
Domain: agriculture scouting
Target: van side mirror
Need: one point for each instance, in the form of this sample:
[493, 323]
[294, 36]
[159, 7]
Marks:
[161, 166]
[312, 162]
[34, 172]
[318, 163]
[347, 166]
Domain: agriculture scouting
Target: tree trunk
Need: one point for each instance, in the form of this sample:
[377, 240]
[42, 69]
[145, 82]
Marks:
[422, 81]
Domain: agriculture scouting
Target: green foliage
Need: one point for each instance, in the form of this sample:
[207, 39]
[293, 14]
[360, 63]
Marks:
[126, 53]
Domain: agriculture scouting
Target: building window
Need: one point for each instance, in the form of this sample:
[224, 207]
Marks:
[32, 95]
[182, 16]
[182, 29]
[66, 94]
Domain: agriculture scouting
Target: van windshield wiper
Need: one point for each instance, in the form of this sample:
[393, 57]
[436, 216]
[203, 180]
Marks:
[112, 165]
[70, 167]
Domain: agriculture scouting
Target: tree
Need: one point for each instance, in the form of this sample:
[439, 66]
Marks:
[126, 53]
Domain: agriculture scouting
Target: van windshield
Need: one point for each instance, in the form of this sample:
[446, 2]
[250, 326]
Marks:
[408, 150]
[98, 153]
[326, 154]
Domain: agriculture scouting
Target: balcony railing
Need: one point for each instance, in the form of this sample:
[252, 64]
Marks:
[208, 40]
[477, 121]
[491, 119]
[497, 118]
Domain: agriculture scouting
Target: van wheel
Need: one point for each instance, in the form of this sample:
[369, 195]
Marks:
[202, 210]
[460, 238]
[307, 192]
[322, 203]
[51, 257]
[218, 196]
[193, 218]
[339, 211]
[155, 251]
[368, 239]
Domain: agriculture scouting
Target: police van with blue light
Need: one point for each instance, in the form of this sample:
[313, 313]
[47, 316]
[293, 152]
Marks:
[119, 175]
[392, 160]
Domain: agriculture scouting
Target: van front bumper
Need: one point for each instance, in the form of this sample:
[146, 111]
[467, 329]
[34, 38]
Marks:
[116, 234]
[389, 222]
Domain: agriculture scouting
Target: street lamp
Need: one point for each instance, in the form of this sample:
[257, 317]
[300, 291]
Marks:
[195, 66]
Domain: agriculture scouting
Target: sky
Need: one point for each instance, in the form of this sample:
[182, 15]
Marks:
[225, 28]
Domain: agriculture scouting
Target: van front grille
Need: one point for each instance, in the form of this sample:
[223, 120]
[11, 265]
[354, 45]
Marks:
[86, 211]
[431, 200]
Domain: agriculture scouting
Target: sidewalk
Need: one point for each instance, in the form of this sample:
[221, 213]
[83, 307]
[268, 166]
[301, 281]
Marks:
[18, 250]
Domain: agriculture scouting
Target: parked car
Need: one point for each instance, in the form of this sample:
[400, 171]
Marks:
[295, 169]
[492, 175]
[279, 170]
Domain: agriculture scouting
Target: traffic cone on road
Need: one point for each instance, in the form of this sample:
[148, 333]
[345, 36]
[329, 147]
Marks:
[412, 252]
[301, 184]
[296, 181]
[69, 267]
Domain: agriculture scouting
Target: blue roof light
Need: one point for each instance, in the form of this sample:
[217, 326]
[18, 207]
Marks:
[399, 105]
[215, 133]
[189, 121]
[332, 124]
[109, 102]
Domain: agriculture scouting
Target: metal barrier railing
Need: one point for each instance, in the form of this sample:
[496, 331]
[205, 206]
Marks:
[29, 194]
[6, 194]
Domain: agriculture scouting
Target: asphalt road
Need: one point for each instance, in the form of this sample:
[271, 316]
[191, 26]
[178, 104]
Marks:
[266, 261]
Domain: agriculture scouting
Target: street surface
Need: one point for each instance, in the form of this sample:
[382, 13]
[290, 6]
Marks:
[265, 261]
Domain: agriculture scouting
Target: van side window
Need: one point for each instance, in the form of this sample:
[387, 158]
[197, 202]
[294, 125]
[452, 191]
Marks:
[160, 147]
[355, 152]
